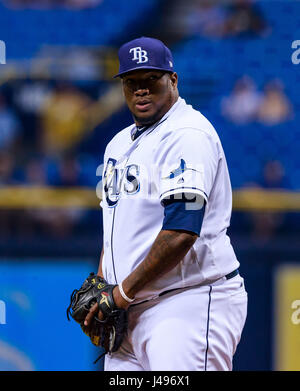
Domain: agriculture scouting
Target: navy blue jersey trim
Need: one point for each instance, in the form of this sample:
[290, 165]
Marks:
[138, 133]
[139, 130]
[177, 217]
[207, 327]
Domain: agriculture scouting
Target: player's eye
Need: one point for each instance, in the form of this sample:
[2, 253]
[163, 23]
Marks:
[128, 82]
[149, 82]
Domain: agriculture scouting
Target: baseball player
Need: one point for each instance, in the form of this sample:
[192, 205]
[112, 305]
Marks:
[167, 203]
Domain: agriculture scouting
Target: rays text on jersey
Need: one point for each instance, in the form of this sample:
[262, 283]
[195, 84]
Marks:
[117, 180]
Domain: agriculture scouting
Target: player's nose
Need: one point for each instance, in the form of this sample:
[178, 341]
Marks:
[142, 92]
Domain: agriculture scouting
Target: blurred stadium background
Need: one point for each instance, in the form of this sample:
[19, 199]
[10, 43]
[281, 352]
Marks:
[59, 107]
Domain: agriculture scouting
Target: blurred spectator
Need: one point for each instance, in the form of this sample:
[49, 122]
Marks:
[246, 104]
[275, 107]
[60, 222]
[68, 172]
[8, 218]
[266, 224]
[83, 65]
[274, 176]
[64, 118]
[244, 19]
[242, 105]
[213, 18]
[36, 172]
[205, 18]
[29, 97]
[7, 165]
[10, 127]
[34, 220]
[53, 222]
[192, 17]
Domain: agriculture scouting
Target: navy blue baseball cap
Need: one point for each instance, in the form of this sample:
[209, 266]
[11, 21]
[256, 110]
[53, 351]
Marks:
[144, 53]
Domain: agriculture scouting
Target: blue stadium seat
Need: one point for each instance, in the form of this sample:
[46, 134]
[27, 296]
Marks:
[95, 26]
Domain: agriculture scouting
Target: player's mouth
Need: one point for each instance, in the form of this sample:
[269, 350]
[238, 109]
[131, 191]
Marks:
[143, 105]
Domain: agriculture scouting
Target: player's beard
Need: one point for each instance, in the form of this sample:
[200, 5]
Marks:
[151, 119]
[146, 121]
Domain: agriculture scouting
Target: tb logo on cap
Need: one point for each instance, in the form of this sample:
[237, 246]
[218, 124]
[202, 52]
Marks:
[139, 55]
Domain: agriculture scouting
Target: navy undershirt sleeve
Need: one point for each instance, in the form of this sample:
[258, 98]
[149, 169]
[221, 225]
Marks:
[177, 216]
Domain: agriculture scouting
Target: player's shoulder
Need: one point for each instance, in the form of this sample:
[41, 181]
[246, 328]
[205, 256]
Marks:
[192, 122]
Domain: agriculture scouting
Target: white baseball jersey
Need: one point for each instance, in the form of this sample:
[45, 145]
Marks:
[181, 153]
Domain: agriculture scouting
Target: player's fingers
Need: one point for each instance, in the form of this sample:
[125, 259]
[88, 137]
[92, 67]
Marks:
[93, 311]
[100, 315]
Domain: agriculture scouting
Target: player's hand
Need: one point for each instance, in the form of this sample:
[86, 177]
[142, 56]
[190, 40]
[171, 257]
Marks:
[94, 310]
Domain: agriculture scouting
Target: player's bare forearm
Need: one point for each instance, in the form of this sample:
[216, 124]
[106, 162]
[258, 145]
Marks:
[168, 249]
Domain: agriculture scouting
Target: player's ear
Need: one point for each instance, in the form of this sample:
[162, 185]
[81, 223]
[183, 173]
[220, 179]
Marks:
[174, 79]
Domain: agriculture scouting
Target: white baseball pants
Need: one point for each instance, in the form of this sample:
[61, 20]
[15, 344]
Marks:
[192, 329]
